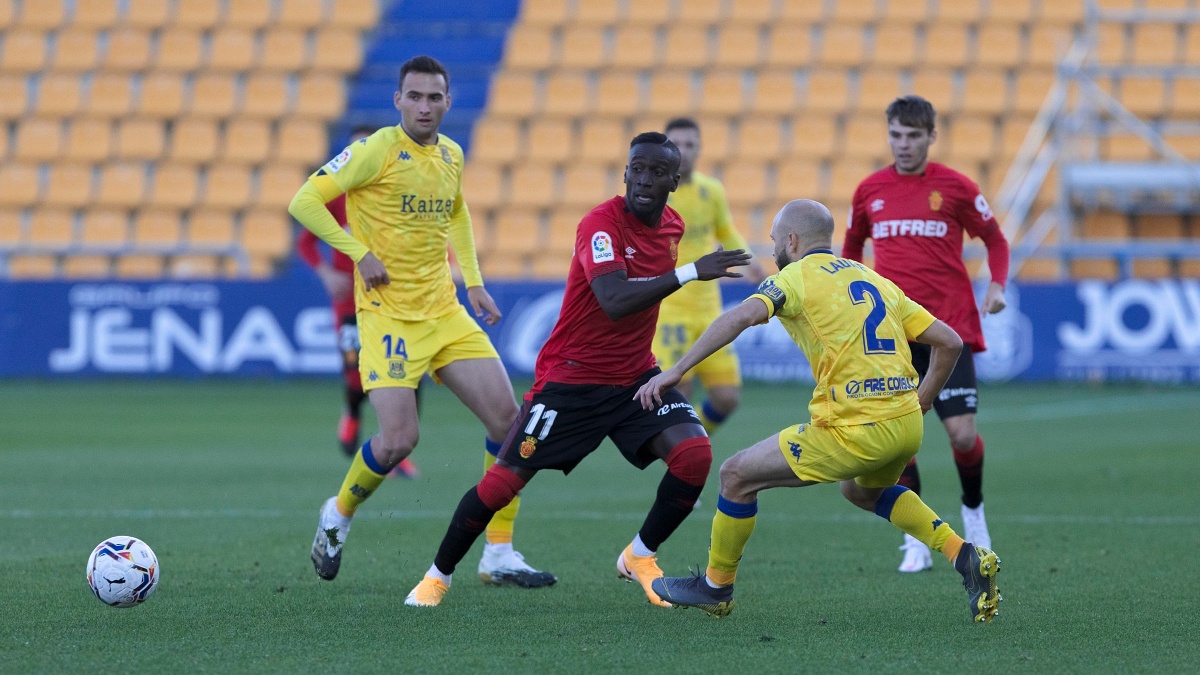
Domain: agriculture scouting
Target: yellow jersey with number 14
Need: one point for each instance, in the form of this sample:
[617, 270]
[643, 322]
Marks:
[706, 222]
[403, 199]
[854, 326]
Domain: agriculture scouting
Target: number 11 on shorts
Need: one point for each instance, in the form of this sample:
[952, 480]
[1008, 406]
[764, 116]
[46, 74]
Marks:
[537, 414]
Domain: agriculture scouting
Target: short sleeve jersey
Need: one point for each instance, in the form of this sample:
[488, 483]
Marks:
[707, 222]
[401, 198]
[917, 223]
[585, 345]
[854, 326]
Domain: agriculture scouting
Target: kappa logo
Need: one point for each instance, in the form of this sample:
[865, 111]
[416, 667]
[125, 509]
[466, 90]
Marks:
[338, 162]
[528, 446]
[602, 248]
[373, 376]
[877, 205]
[795, 449]
[404, 155]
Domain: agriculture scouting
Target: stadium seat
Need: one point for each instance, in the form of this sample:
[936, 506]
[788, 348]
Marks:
[197, 14]
[230, 50]
[513, 94]
[601, 141]
[865, 138]
[213, 227]
[1150, 226]
[559, 241]
[11, 227]
[797, 179]
[139, 266]
[1105, 225]
[23, 51]
[38, 140]
[495, 141]
[226, 186]
[895, 46]
[596, 13]
[650, 12]
[1152, 268]
[671, 93]
[801, 11]
[356, 14]
[337, 50]
[33, 266]
[586, 185]
[1089, 268]
[567, 95]
[789, 45]
[877, 89]
[582, 47]
[544, 12]
[774, 93]
[842, 46]
[1188, 146]
[174, 186]
[1040, 269]
[907, 11]
[854, 11]
[738, 46]
[42, 15]
[529, 48]
[148, 14]
[19, 184]
[751, 11]
[746, 182]
[550, 266]
[635, 47]
[193, 267]
[140, 138]
[213, 96]
[516, 233]
[128, 50]
[972, 139]
[193, 140]
[1031, 92]
[264, 97]
[618, 94]
[1061, 12]
[946, 46]
[985, 92]
[937, 86]
[1185, 98]
[58, 95]
[761, 138]
[95, 14]
[1012, 135]
[959, 12]
[1155, 44]
[162, 96]
[320, 96]
[532, 186]
[75, 50]
[105, 228]
[815, 137]
[482, 186]
[301, 142]
[52, 227]
[266, 232]
[702, 12]
[1144, 96]
[248, 14]
[1110, 43]
[844, 177]
[496, 266]
[157, 228]
[179, 50]
[686, 47]
[721, 93]
[121, 185]
[714, 134]
[827, 92]
[283, 49]
[246, 142]
[998, 46]
[111, 96]
[14, 97]
[549, 141]
[1191, 44]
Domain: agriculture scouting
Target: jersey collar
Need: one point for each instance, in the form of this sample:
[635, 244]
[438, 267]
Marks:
[818, 250]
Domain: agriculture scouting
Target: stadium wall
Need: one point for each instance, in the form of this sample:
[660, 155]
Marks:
[1085, 330]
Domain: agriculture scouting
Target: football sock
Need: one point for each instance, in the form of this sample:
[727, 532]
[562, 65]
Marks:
[687, 469]
[364, 476]
[970, 473]
[731, 528]
[475, 509]
[710, 417]
[905, 510]
[639, 547]
[910, 477]
[437, 574]
[500, 529]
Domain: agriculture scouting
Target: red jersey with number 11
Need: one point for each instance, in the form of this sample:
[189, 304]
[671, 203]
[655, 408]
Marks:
[585, 346]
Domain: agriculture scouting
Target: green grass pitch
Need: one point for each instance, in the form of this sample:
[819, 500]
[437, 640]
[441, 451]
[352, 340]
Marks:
[1091, 496]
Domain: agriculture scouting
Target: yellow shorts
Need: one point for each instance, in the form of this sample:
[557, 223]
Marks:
[397, 353]
[873, 455]
[673, 340]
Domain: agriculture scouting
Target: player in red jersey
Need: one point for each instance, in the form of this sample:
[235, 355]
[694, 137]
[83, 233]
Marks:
[917, 211]
[337, 276]
[596, 358]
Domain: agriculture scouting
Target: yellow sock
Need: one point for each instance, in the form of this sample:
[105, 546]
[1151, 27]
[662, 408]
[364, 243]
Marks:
[364, 476]
[731, 529]
[500, 530]
[905, 510]
[710, 419]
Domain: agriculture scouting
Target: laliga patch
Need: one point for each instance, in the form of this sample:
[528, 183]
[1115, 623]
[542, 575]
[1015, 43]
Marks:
[602, 248]
[338, 162]
[982, 207]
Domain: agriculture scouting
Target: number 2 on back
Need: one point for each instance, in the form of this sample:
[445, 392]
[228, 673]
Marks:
[872, 344]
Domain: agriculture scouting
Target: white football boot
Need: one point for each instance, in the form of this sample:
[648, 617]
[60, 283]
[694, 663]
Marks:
[331, 537]
[502, 566]
[917, 556]
[975, 526]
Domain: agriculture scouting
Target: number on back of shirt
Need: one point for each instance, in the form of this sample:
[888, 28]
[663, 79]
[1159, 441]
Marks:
[872, 343]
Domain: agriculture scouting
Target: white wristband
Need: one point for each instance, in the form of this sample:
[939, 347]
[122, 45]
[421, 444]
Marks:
[686, 273]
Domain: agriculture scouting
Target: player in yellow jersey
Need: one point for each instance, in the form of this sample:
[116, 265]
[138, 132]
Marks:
[854, 326]
[403, 188]
[700, 201]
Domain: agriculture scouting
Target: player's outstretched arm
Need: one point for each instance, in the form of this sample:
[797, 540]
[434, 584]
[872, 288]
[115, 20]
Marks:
[947, 345]
[722, 331]
[620, 296]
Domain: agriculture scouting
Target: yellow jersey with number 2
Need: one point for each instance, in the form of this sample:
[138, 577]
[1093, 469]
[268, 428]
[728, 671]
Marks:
[854, 326]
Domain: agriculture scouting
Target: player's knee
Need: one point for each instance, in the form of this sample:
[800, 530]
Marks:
[499, 487]
[733, 477]
[963, 440]
[391, 447]
[858, 496]
[690, 460]
[725, 399]
[500, 420]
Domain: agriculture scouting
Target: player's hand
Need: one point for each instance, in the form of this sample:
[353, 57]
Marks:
[650, 395]
[337, 284]
[925, 406]
[716, 265]
[993, 299]
[484, 306]
[373, 272]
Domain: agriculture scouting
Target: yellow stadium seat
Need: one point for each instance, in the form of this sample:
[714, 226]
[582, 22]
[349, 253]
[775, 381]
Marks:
[42, 15]
[1105, 225]
[266, 232]
[671, 93]
[551, 266]
[1031, 92]
[95, 13]
[532, 185]
[789, 45]
[231, 50]
[544, 12]
[635, 47]
[139, 266]
[567, 95]
[1159, 226]
[105, 227]
[998, 46]
[877, 89]
[157, 228]
[1154, 44]
[128, 50]
[854, 11]
[774, 92]
[197, 14]
[23, 51]
[618, 94]
[801, 11]
[14, 96]
[193, 140]
[760, 138]
[705, 12]
[972, 138]
[907, 11]
[1144, 96]
[1040, 269]
[936, 86]
[211, 226]
[19, 184]
[1110, 43]
[495, 141]
[529, 48]
[865, 137]
[246, 142]
[8, 13]
[513, 94]
[601, 140]
[35, 266]
[249, 14]
[722, 93]
[1013, 135]
[1061, 12]
[585, 185]
[483, 186]
[179, 50]
[1185, 97]
[277, 184]
[946, 46]
[1152, 268]
[516, 232]
[582, 47]
[111, 96]
[301, 142]
[58, 95]
[193, 267]
[121, 185]
[337, 50]
[148, 14]
[1191, 44]
[140, 138]
[356, 14]
[751, 11]
[842, 45]
[813, 137]
[895, 45]
[827, 92]
[1173, 5]
[1126, 148]
[549, 141]
[162, 96]
[264, 96]
[746, 182]
[320, 96]
[1091, 268]
[985, 92]
[797, 179]
[226, 186]
[738, 46]
[844, 178]
[300, 14]
[1188, 146]
[1011, 11]
[174, 186]
[283, 49]
[11, 227]
[75, 50]
[650, 12]
[213, 96]
[596, 12]
[52, 227]
[686, 47]
[496, 266]
[38, 140]
[560, 238]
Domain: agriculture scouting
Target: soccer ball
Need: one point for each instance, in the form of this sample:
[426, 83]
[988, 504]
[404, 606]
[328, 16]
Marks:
[122, 571]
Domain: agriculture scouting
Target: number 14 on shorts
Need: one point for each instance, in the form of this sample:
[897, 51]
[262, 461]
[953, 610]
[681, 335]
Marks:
[399, 351]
